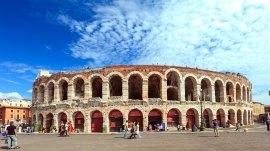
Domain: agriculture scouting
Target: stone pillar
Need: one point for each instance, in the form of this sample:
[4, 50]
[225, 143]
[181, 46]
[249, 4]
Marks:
[70, 92]
[225, 99]
[145, 89]
[182, 92]
[106, 123]
[184, 119]
[125, 89]
[45, 95]
[225, 119]
[234, 95]
[55, 121]
[145, 122]
[198, 93]
[164, 118]
[105, 90]
[164, 89]
[87, 91]
[212, 94]
[56, 97]
[87, 125]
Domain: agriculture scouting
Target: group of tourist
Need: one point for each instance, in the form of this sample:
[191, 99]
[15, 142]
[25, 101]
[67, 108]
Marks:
[134, 130]
[65, 128]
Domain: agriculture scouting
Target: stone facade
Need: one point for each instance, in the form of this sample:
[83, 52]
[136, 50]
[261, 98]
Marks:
[102, 99]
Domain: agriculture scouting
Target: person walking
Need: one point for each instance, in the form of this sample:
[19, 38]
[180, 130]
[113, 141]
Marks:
[125, 129]
[267, 124]
[238, 126]
[215, 124]
[12, 136]
[138, 130]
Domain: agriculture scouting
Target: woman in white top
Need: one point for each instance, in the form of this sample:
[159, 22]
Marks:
[138, 130]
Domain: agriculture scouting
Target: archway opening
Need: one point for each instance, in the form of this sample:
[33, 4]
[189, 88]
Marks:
[136, 116]
[79, 122]
[154, 119]
[97, 121]
[116, 121]
[173, 118]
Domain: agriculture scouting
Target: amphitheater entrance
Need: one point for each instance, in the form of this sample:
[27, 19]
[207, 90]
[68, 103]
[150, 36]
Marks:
[191, 119]
[221, 117]
[245, 117]
[40, 120]
[206, 118]
[154, 118]
[173, 118]
[239, 116]
[62, 117]
[97, 121]
[49, 122]
[79, 122]
[136, 116]
[231, 117]
[116, 120]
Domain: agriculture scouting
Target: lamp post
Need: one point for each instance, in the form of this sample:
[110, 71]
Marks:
[202, 99]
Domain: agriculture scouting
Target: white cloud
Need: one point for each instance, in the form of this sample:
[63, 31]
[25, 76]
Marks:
[11, 95]
[216, 35]
[29, 91]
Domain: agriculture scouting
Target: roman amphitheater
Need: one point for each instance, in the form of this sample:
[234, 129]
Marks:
[100, 100]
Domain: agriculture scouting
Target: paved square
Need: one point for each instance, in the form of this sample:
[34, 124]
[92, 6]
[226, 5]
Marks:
[150, 141]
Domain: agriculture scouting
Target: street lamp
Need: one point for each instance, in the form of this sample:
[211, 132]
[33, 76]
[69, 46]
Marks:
[202, 99]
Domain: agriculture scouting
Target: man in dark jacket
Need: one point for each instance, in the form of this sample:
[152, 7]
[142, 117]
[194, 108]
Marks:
[12, 136]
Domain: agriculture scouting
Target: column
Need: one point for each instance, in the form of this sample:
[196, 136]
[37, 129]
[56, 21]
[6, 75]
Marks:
[224, 97]
[145, 122]
[213, 93]
[184, 119]
[87, 91]
[182, 92]
[125, 89]
[145, 89]
[56, 97]
[70, 91]
[87, 125]
[105, 89]
[164, 89]
[198, 92]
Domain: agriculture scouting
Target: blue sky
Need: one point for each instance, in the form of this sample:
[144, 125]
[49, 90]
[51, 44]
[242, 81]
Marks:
[222, 35]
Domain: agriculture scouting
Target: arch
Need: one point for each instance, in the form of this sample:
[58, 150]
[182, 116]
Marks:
[192, 118]
[190, 89]
[136, 115]
[154, 119]
[173, 118]
[79, 87]
[229, 92]
[49, 122]
[239, 116]
[208, 117]
[40, 120]
[79, 121]
[174, 70]
[135, 84]
[248, 95]
[115, 85]
[244, 93]
[96, 121]
[245, 118]
[231, 116]
[62, 117]
[173, 85]
[50, 88]
[96, 82]
[249, 117]
[219, 92]
[154, 86]
[41, 91]
[35, 94]
[206, 89]
[220, 114]
[238, 93]
[116, 120]
[63, 90]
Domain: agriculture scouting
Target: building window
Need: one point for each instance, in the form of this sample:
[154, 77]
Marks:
[18, 116]
[23, 116]
[11, 111]
[11, 116]
[18, 111]
[0, 116]
[23, 111]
